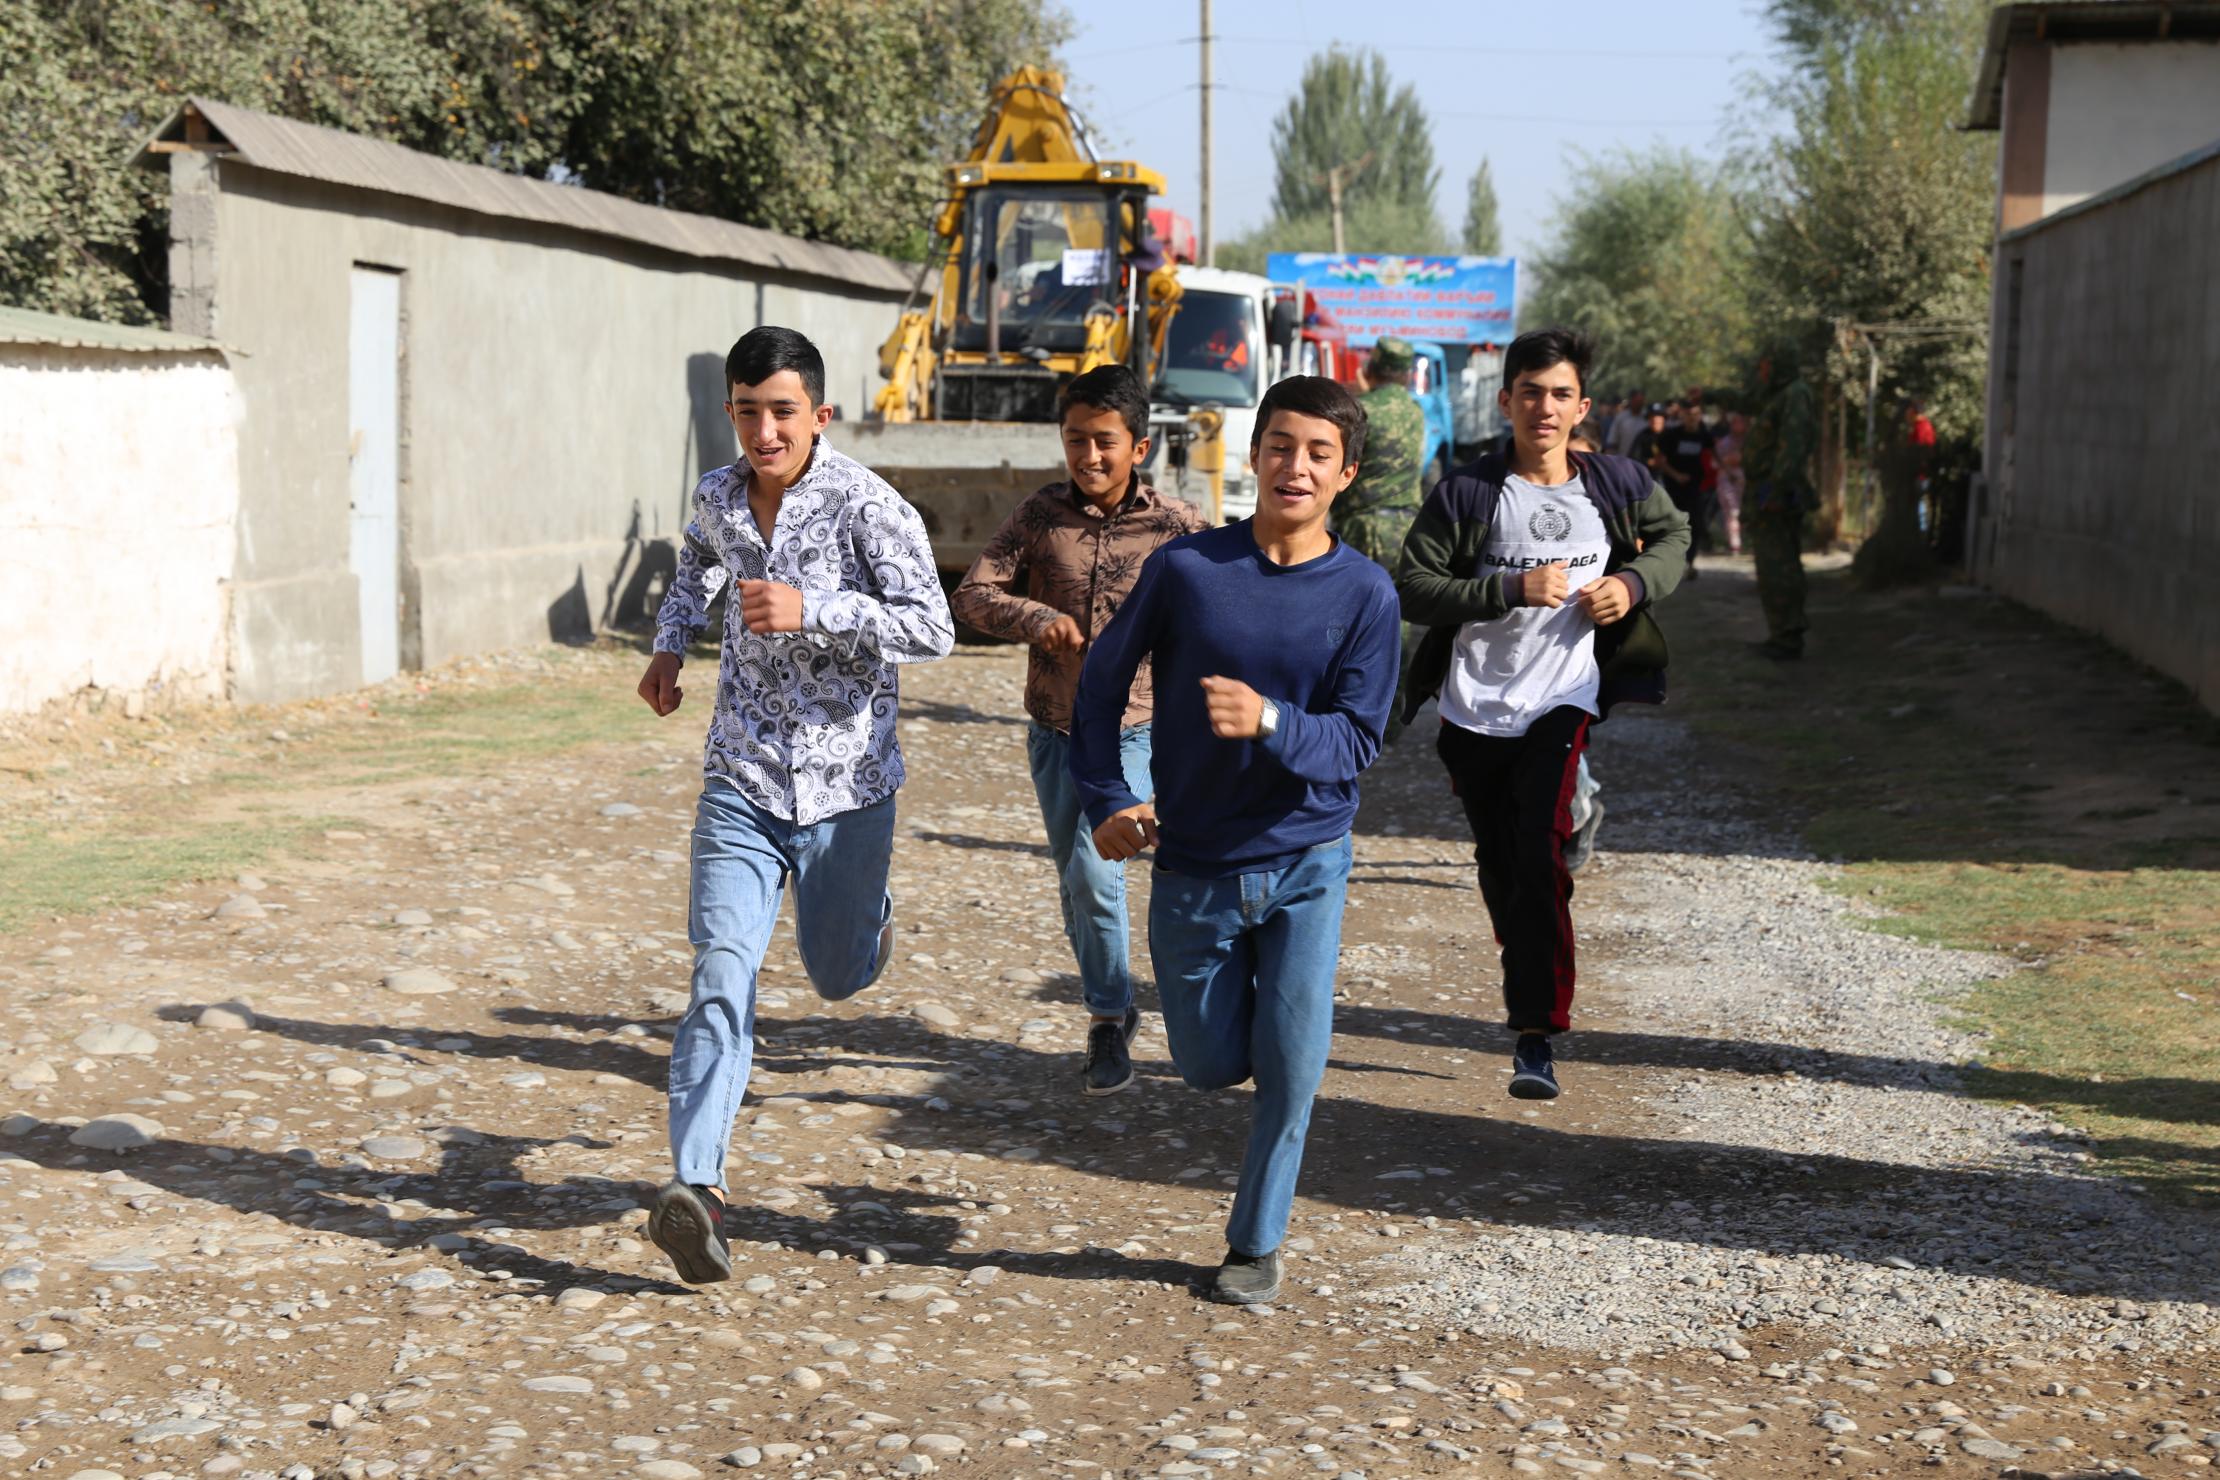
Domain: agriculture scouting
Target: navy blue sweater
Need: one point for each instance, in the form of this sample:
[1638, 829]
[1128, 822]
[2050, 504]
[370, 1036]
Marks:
[1322, 639]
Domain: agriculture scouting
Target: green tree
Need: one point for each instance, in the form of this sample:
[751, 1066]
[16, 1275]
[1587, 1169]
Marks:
[832, 121]
[1344, 110]
[1646, 255]
[1483, 223]
[1874, 208]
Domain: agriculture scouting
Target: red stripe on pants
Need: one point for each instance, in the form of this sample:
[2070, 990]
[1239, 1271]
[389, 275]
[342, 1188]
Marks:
[1561, 961]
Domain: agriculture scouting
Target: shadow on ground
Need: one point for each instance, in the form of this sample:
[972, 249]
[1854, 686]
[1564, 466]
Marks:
[1723, 1195]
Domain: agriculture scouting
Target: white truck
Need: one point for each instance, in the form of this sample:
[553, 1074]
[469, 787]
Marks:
[1235, 334]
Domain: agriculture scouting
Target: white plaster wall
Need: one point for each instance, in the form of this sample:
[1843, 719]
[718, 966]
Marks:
[2117, 110]
[119, 489]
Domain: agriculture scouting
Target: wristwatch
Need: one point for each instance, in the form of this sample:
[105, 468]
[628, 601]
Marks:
[1268, 723]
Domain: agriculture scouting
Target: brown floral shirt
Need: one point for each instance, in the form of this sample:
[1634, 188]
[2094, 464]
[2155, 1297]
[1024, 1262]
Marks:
[1072, 561]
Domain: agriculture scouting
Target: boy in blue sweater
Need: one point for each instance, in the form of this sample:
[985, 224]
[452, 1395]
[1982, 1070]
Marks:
[1275, 649]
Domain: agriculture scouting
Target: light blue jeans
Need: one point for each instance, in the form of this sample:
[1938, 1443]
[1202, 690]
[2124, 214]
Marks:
[743, 857]
[1245, 973]
[1091, 888]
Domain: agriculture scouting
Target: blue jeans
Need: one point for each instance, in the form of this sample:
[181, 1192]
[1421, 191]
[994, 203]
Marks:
[1245, 973]
[1091, 888]
[742, 858]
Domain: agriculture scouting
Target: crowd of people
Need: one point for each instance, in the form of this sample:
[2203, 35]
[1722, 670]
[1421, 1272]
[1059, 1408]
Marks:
[1210, 696]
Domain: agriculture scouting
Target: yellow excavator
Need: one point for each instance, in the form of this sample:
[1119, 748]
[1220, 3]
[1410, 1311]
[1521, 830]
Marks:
[1043, 267]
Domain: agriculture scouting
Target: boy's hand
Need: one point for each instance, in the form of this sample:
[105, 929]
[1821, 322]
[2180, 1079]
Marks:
[767, 606]
[1606, 600]
[1236, 710]
[1061, 636]
[659, 685]
[1125, 834]
[1543, 586]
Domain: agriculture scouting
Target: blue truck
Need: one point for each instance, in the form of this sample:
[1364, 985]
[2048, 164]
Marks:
[1430, 383]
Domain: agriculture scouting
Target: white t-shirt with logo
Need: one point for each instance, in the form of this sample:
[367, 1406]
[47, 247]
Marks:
[1508, 673]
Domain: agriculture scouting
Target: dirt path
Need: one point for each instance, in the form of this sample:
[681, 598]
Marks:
[386, 1231]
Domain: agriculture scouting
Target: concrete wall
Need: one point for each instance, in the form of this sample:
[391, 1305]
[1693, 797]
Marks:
[2118, 110]
[559, 395]
[119, 481]
[2102, 439]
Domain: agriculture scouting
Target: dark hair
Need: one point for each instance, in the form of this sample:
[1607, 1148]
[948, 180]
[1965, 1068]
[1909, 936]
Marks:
[1108, 388]
[1315, 395]
[1538, 349]
[762, 353]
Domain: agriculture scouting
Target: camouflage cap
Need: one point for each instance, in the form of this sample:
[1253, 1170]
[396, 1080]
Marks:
[1393, 354]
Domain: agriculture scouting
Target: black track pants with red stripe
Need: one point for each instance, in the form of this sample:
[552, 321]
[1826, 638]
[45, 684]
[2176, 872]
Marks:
[1517, 793]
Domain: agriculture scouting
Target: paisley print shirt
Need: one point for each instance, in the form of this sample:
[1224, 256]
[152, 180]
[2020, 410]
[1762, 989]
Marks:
[804, 721]
[1057, 555]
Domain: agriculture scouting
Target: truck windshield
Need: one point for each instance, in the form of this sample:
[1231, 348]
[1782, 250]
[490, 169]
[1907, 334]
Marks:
[1051, 256]
[1211, 351]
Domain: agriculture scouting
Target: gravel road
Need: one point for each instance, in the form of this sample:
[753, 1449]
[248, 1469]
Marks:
[334, 1169]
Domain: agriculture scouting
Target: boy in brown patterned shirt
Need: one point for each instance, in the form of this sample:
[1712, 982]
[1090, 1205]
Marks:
[1077, 547]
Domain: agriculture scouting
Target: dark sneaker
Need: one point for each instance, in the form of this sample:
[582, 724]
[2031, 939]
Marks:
[688, 1224]
[1247, 1279]
[1533, 1074]
[1779, 649]
[1109, 1059]
[1583, 843]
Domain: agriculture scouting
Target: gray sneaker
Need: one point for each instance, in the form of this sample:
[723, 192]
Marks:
[886, 945]
[1247, 1279]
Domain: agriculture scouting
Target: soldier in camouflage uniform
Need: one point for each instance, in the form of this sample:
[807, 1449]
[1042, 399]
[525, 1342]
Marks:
[1375, 512]
[1776, 460]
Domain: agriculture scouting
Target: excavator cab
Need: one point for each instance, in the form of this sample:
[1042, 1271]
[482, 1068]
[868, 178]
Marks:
[1049, 279]
[1044, 266]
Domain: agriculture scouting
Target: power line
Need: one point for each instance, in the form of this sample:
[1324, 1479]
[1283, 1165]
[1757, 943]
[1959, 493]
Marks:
[1574, 53]
[1534, 118]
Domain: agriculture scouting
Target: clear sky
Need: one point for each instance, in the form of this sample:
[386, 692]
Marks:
[1528, 86]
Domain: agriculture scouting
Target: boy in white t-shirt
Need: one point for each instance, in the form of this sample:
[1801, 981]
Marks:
[1535, 574]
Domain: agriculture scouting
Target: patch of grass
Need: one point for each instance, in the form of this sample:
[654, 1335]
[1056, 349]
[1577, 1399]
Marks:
[42, 874]
[2113, 1025]
[254, 797]
[1998, 782]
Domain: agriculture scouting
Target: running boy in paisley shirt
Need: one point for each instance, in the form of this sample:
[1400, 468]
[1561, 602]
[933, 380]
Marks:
[1077, 549]
[834, 586]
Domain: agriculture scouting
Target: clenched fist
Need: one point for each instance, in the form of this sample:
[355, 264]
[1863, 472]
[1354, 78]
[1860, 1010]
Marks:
[1061, 636]
[659, 685]
[1607, 600]
[1236, 710]
[1124, 834]
[767, 606]
[1543, 586]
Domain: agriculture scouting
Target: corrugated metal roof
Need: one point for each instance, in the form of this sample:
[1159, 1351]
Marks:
[2080, 20]
[2194, 159]
[338, 158]
[27, 326]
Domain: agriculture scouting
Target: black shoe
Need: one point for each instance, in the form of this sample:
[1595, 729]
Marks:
[1247, 1279]
[688, 1224]
[1533, 1074]
[1778, 650]
[1583, 844]
[1109, 1063]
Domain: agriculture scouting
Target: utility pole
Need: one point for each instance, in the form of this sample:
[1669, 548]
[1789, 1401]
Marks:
[1209, 243]
[1336, 180]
